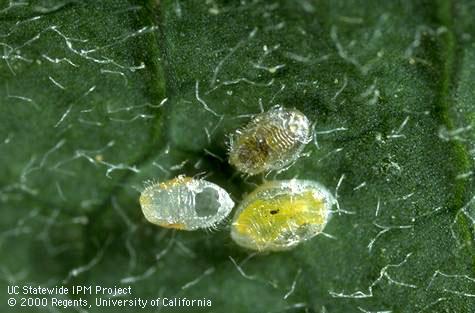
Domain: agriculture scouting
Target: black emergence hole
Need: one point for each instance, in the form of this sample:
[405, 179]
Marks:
[206, 202]
[274, 212]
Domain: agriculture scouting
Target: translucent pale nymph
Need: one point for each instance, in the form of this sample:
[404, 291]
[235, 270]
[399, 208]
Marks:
[270, 141]
[281, 214]
[185, 203]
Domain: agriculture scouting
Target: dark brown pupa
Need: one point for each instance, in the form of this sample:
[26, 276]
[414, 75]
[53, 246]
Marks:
[270, 141]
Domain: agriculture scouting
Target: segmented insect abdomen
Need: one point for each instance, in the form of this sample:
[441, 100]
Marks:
[279, 139]
[270, 141]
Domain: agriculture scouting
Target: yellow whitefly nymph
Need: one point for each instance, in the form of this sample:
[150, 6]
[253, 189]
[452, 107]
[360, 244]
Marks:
[279, 215]
[270, 141]
[185, 203]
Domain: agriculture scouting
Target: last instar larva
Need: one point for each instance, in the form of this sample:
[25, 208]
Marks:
[185, 203]
[279, 215]
[270, 141]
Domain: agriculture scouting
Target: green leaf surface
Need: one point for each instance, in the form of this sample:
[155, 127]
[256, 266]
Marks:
[97, 97]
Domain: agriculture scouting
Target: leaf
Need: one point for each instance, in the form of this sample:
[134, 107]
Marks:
[97, 98]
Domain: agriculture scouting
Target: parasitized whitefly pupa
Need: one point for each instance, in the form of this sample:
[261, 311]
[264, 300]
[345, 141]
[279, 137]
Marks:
[270, 141]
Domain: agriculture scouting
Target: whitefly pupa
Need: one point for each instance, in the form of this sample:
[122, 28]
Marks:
[270, 141]
[185, 203]
[279, 215]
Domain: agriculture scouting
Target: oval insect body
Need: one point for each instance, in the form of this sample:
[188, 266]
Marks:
[185, 203]
[281, 214]
[270, 141]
